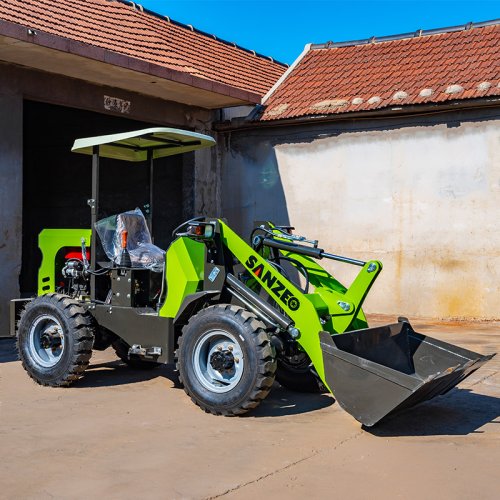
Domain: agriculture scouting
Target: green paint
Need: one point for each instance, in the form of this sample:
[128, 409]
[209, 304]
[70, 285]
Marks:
[185, 267]
[50, 241]
[332, 291]
[305, 317]
[322, 303]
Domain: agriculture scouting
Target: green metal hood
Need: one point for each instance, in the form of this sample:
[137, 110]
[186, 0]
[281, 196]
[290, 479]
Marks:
[134, 146]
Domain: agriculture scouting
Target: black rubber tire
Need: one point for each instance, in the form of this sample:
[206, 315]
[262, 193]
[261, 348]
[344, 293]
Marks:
[258, 353]
[297, 378]
[78, 330]
[121, 349]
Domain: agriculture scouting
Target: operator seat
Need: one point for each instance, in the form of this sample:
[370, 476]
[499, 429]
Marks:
[143, 253]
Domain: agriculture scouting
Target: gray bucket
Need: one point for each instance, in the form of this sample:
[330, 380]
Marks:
[378, 371]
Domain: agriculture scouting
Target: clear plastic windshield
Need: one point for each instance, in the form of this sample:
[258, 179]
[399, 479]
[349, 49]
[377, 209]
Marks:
[143, 254]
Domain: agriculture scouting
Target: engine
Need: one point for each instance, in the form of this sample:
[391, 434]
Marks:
[75, 278]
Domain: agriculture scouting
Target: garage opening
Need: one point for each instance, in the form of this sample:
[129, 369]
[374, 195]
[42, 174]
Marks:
[57, 183]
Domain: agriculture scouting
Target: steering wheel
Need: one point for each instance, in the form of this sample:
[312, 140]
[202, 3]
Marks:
[194, 219]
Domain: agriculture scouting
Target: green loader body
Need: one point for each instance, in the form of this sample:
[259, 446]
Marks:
[234, 315]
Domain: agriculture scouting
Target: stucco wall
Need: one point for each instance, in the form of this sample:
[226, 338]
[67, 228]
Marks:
[422, 195]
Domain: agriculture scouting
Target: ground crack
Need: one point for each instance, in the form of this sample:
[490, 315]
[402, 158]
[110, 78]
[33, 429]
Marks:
[288, 466]
[486, 377]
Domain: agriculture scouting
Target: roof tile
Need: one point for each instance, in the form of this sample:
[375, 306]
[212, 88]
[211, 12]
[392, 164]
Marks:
[448, 66]
[118, 27]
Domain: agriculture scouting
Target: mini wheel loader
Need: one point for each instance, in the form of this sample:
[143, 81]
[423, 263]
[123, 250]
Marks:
[232, 315]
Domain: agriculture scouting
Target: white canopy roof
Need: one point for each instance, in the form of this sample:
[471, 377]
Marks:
[134, 146]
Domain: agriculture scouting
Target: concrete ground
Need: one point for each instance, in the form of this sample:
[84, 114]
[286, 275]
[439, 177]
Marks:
[124, 434]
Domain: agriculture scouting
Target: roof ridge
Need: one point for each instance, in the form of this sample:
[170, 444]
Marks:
[413, 34]
[138, 6]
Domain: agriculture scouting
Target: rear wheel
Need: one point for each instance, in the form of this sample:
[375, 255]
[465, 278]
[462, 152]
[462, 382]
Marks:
[225, 360]
[54, 340]
[294, 373]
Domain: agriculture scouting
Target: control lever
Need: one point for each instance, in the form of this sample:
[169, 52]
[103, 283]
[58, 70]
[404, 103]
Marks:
[85, 260]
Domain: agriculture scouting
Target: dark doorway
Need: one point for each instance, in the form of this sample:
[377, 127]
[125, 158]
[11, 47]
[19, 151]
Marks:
[57, 183]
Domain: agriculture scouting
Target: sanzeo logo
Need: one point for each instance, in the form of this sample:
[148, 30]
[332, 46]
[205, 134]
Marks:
[274, 284]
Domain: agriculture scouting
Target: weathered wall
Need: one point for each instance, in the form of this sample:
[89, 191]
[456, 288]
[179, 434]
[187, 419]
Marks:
[17, 84]
[11, 187]
[252, 184]
[420, 194]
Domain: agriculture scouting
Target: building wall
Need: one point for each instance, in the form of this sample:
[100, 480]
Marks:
[420, 194]
[11, 191]
[17, 84]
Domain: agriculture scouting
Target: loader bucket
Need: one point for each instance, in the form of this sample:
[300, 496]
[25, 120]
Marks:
[378, 371]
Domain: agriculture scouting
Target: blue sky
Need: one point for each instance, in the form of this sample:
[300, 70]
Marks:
[281, 28]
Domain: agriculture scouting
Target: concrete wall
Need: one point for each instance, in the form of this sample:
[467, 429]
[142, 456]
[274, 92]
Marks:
[420, 194]
[17, 84]
[11, 191]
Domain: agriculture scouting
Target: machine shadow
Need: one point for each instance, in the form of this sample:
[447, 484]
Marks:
[112, 373]
[8, 351]
[459, 413]
[282, 402]
[279, 403]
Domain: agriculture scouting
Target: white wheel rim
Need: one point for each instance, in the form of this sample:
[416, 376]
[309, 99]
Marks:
[46, 341]
[212, 347]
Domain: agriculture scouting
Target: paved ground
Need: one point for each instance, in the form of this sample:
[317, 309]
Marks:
[123, 434]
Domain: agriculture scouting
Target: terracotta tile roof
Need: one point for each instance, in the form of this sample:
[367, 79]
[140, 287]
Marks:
[430, 68]
[127, 28]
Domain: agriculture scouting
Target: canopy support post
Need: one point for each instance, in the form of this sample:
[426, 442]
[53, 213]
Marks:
[151, 191]
[94, 209]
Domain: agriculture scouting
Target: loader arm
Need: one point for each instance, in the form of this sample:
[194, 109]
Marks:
[331, 307]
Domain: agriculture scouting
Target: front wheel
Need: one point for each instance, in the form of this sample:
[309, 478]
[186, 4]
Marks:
[225, 360]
